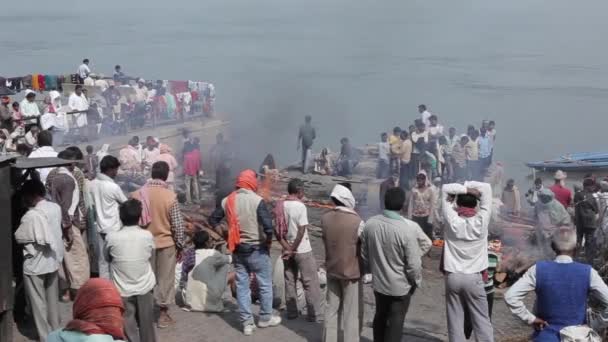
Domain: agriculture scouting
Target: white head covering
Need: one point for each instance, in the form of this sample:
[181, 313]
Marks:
[342, 194]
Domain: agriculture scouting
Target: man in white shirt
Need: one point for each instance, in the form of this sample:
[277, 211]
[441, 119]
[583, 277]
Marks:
[150, 154]
[435, 128]
[83, 71]
[425, 115]
[44, 150]
[106, 196]
[465, 257]
[384, 149]
[29, 108]
[129, 251]
[292, 234]
[41, 237]
[562, 289]
[78, 103]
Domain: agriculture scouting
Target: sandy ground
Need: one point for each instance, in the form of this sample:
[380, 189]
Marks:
[425, 320]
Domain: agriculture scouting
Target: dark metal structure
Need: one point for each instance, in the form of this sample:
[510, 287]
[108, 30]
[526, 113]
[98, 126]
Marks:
[13, 171]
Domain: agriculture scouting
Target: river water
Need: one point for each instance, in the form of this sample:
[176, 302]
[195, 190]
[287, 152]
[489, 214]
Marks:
[539, 68]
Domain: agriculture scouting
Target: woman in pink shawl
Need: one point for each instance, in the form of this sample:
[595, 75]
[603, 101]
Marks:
[167, 157]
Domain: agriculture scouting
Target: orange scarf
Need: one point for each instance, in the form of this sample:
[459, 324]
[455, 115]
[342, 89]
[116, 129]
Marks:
[247, 180]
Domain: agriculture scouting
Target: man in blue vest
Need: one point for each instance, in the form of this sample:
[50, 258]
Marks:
[562, 288]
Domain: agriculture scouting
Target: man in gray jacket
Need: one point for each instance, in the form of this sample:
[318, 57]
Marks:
[391, 248]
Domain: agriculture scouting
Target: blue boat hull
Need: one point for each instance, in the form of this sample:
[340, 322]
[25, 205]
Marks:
[585, 161]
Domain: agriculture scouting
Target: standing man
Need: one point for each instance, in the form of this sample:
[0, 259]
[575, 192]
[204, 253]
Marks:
[45, 150]
[486, 146]
[586, 212]
[341, 229]
[422, 204]
[459, 159]
[83, 71]
[292, 233]
[106, 196]
[465, 257]
[562, 194]
[63, 189]
[40, 235]
[472, 154]
[130, 160]
[306, 137]
[532, 194]
[29, 109]
[405, 160]
[78, 103]
[141, 98]
[119, 76]
[452, 140]
[384, 149]
[562, 288]
[395, 143]
[425, 115]
[192, 169]
[511, 198]
[435, 128]
[420, 139]
[129, 251]
[150, 154]
[249, 239]
[390, 250]
[162, 216]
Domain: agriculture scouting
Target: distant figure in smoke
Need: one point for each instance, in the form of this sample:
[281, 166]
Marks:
[532, 194]
[549, 214]
[306, 137]
[485, 146]
[586, 212]
[323, 163]
[346, 160]
[382, 170]
[221, 159]
[511, 199]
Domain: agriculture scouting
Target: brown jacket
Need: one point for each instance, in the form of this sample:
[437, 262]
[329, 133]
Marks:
[340, 235]
[161, 201]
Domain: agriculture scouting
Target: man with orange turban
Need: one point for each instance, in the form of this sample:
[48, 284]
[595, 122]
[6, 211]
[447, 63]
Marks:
[249, 238]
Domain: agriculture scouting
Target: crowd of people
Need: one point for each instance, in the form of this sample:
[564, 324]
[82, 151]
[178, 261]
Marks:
[115, 105]
[114, 252]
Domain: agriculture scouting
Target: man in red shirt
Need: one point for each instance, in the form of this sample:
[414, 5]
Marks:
[562, 194]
